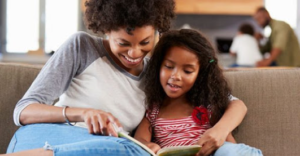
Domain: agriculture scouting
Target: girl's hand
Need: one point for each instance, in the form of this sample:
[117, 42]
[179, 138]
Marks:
[100, 122]
[153, 146]
[211, 140]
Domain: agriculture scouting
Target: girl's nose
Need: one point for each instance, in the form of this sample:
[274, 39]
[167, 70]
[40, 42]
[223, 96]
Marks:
[176, 76]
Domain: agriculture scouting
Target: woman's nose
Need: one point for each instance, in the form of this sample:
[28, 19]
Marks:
[134, 53]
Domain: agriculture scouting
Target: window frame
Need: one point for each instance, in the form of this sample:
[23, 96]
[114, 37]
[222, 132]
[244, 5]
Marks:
[42, 27]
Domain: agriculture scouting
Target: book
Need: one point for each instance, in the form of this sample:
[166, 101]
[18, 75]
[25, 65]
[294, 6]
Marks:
[191, 150]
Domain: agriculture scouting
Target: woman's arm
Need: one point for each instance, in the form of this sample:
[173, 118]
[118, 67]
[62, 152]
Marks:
[230, 138]
[144, 134]
[215, 137]
[97, 121]
[232, 117]
[53, 80]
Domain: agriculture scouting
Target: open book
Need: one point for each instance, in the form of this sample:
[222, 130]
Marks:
[167, 151]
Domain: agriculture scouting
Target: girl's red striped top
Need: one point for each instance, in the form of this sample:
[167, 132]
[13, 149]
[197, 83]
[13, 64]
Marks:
[175, 132]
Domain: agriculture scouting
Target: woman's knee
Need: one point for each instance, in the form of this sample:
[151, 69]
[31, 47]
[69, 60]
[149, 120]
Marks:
[231, 149]
[101, 146]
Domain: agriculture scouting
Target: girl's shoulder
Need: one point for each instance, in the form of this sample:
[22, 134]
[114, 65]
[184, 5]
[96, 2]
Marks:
[151, 114]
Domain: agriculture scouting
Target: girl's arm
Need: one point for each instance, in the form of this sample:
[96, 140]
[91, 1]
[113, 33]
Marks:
[215, 137]
[144, 134]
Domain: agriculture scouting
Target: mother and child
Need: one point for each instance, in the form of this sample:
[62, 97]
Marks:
[105, 82]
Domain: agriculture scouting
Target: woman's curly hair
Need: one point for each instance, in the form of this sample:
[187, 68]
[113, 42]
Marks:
[106, 15]
[210, 87]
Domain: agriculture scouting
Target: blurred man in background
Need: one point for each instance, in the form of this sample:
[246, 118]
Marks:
[282, 44]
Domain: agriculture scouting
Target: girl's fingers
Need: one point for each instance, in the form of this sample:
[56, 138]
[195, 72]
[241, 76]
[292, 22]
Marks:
[156, 149]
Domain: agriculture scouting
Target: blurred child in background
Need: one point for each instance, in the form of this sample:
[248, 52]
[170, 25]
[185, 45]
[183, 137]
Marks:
[245, 47]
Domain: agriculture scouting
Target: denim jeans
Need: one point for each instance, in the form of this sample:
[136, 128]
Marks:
[67, 140]
[231, 149]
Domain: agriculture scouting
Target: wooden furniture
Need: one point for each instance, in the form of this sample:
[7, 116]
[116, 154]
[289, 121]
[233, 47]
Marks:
[227, 7]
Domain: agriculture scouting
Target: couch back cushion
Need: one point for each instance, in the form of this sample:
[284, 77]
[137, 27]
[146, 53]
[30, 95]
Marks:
[14, 81]
[273, 100]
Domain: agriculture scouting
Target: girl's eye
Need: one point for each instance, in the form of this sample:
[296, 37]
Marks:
[169, 67]
[145, 43]
[188, 72]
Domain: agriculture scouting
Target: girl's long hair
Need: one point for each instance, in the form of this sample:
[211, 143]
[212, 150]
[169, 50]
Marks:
[210, 87]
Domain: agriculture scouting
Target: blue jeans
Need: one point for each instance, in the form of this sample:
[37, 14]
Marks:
[231, 149]
[67, 140]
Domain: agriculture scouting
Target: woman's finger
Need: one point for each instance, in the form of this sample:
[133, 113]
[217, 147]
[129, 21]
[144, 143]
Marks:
[89, 125]
[111, 129]
[202, 141]
[96, 125]
[114, 120]
[103, 121]
[206, 150]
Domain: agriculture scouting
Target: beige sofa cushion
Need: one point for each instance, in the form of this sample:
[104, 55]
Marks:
[14, 81]
[273, 100]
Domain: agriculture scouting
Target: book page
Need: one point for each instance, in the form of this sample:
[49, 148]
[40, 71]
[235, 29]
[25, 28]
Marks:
[124, 135]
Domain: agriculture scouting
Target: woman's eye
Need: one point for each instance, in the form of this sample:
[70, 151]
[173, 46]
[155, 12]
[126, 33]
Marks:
[123, 44]
[145, 43]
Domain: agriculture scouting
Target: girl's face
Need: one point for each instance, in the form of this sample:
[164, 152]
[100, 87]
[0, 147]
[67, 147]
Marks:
[179, 71]
[128, 50]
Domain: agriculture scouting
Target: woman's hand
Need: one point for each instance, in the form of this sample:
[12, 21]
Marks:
[100, 122]
[153, 146]
[215, 137]
[211, 140]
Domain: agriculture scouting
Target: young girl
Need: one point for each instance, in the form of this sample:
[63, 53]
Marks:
[186, 94]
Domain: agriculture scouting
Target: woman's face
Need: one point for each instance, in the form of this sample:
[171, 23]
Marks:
[178, 72]
[128, 50]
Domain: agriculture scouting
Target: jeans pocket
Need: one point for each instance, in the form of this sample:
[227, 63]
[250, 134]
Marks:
[12, 144]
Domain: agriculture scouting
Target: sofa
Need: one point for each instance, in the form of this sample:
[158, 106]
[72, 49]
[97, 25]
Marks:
[272, 96]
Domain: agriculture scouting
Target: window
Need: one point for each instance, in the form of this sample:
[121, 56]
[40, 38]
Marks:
[283, 10]
[39, 24]
[22, 25]
[61, 22]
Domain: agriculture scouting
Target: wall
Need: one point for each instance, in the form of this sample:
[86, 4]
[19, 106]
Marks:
[298, 21]
[216, 26]
[2, 25]
[1, 32]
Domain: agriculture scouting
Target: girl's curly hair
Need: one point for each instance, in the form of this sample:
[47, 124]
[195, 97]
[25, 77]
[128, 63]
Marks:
[106, 15]
[210, 87]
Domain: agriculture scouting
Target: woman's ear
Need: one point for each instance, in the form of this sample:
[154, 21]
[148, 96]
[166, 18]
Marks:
[106, 35]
